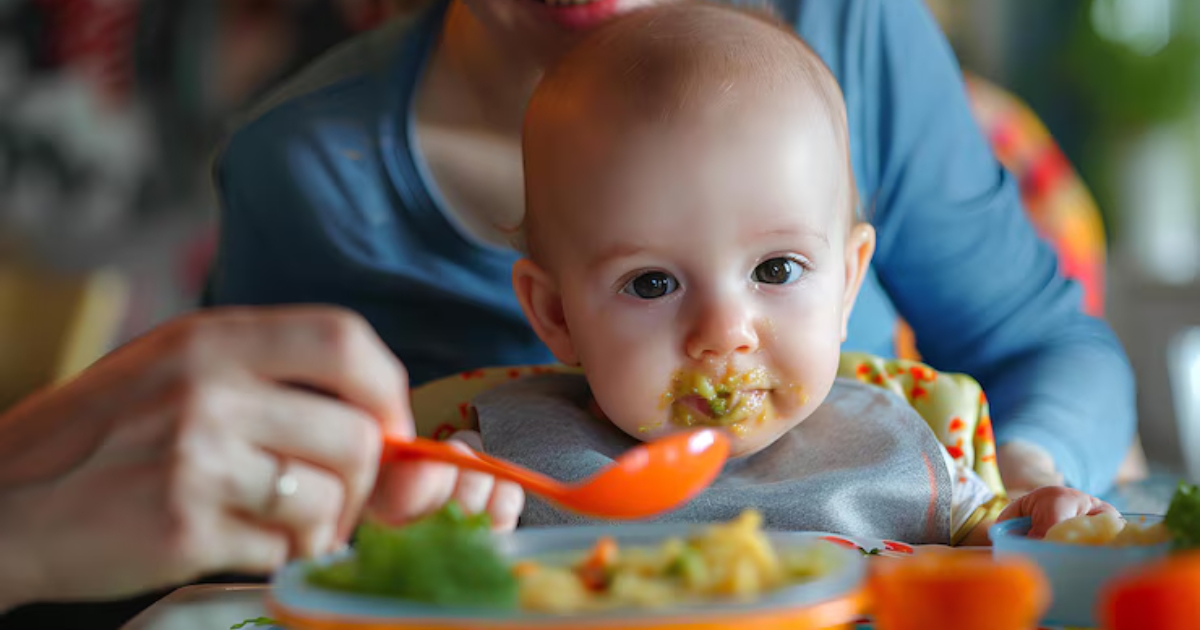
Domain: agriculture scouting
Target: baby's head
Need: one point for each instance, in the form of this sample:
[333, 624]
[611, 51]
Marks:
[691, 222]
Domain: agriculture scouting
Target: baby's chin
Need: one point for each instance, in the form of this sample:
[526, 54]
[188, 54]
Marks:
[755, 441]
[744, 440]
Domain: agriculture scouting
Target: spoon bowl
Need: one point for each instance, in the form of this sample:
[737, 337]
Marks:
[645, 481]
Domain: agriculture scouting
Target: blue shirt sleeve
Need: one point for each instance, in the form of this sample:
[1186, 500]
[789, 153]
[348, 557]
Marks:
[963, 265]
[254, 262]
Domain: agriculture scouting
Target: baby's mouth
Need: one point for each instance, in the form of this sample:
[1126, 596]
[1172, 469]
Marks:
[727, 401]
[723, 409]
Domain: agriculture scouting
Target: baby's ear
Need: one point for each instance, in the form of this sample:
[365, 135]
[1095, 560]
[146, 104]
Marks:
[860, 248]
[542, 302]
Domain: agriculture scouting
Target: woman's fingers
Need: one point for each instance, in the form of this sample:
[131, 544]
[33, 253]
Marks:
[281, 458]
[505, 506]
[504, 502]
[322, 432]
[247, 547]
[191, 451]
[333, 350]
[410, 489]
[291, 496]
[473, 490]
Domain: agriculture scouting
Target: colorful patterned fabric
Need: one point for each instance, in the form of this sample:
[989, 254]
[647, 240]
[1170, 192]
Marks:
[953, 405]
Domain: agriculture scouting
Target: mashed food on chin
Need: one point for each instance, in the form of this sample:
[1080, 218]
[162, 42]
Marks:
[736, 400]
[734, 561]
[1107, 529]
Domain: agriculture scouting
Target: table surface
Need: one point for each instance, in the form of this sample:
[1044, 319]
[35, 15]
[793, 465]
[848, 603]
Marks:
[219, 606]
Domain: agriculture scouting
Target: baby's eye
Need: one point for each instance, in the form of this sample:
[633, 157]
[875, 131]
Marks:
[651, 285]
[777, 271]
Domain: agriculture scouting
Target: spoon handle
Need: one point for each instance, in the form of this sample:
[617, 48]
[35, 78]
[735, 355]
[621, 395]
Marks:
[422, 448]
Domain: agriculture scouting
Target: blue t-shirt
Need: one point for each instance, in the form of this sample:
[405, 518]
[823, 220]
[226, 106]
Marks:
[325, 200]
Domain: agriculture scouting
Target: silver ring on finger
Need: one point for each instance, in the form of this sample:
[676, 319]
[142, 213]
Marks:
[284, 484]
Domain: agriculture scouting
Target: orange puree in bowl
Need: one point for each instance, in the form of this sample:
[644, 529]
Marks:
[958, 590]
[1162, 596]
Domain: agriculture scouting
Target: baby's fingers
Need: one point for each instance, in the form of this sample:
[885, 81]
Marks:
[1048, 507]
[1099, 507]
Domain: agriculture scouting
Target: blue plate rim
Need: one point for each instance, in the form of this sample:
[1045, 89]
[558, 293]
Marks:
[290, 591]
[1005, 529]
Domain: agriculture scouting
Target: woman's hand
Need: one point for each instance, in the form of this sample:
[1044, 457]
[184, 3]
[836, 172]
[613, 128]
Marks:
[205, 447]
[399, 499]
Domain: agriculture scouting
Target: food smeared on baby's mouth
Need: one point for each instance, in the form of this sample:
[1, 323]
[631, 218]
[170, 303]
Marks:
[735, 400]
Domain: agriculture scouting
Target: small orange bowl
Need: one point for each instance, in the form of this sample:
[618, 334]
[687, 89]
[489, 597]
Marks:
[1164, 595]
[941, 589]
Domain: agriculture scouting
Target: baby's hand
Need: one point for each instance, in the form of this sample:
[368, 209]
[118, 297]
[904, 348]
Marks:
[1052, 505]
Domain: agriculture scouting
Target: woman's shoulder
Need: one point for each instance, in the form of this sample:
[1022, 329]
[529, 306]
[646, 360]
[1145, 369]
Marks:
[360, 71]
[309, 137]
[843, 32]
[846, 14]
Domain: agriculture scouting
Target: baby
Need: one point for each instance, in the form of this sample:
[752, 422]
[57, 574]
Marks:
[693, 246]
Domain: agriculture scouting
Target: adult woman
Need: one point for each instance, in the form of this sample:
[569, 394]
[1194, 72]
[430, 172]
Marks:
[387, 179]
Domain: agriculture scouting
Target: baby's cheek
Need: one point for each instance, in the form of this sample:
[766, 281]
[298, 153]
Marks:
[630, 396]
[810, 359]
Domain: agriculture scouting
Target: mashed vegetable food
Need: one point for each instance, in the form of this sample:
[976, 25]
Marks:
[1180, 526]
[734, 560]
[448, 559]
[1107, 529]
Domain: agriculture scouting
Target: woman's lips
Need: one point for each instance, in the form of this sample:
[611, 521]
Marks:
[579, 16]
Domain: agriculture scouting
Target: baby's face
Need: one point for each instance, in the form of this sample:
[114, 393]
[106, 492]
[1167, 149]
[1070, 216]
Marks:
[705, 275]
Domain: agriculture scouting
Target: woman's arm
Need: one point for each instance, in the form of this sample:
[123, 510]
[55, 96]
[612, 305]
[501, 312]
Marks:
[20, 575]
[963, 264]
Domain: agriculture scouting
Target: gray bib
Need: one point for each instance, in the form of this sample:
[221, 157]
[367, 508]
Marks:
[863, 464]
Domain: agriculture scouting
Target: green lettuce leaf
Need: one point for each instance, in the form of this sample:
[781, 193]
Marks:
[1183, 517]
[257, 621]
[445, 559]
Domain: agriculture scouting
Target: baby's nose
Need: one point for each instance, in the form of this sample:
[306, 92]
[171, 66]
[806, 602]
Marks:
[722, 330]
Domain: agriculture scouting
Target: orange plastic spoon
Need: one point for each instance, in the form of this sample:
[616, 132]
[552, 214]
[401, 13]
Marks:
[647, 480]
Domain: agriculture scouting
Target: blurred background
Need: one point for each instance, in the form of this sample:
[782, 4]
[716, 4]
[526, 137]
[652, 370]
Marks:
[110, 109]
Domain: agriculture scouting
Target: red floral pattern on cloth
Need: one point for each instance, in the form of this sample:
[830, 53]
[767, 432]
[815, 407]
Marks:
[953, 405]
